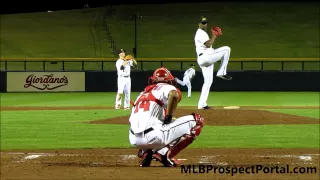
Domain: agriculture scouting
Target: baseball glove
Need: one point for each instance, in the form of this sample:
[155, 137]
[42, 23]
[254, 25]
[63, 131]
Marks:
[128, 57]
[216, 31]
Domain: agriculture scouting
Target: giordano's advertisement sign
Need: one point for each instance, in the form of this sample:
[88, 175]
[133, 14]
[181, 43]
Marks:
[45, 81]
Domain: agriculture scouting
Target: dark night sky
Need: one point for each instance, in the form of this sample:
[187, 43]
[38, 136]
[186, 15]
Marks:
[8, 7]
[32, 6]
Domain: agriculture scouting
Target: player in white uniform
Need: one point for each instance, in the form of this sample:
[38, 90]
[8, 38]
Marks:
[152, 128]
[123, 66]
[206, 57]
[187, 78]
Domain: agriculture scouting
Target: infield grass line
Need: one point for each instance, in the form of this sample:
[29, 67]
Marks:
[312, 113]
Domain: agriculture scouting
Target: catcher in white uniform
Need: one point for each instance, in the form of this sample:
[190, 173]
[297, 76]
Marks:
[123, 65]
[187, 78]
[152, 128]
[207, 56]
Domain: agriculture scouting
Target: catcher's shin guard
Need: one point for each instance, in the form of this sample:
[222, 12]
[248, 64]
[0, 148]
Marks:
[187, 139]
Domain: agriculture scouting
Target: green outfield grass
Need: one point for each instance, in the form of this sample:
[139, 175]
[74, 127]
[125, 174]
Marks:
[67, 129]
[110, 65]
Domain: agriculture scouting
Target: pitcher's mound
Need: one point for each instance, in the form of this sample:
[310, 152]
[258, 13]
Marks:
[233, 117]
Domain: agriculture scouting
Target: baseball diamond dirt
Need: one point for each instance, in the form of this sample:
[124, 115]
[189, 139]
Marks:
[123, 163]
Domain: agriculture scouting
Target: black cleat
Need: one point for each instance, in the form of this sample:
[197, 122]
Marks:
[225, 77]
[165, 160]
[140, 153]
[206, 107]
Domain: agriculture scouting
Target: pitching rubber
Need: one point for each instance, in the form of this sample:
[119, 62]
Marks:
[231, 107]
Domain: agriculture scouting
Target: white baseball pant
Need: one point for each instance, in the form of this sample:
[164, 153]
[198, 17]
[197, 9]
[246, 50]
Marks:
[206, 62]
[124, 87]
[185, 82]
[163, 134]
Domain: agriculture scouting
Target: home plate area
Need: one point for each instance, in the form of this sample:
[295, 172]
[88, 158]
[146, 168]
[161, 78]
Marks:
[123, 164]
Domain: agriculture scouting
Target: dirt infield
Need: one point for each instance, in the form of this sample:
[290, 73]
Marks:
[123, 163]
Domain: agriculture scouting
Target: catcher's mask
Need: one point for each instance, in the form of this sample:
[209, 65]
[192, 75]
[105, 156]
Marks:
[162, 75]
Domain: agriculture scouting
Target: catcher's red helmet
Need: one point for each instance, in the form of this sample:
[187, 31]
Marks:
[162, 75]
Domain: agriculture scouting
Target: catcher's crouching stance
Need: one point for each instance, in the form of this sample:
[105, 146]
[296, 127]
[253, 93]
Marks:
[152, 129]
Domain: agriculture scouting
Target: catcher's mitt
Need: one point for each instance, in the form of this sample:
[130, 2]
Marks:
[216, 31]
[128, 57]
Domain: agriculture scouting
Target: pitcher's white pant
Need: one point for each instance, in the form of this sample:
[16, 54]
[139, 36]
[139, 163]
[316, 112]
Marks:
[124, 87]
[206, 63]
[163, 134]
[185, 82]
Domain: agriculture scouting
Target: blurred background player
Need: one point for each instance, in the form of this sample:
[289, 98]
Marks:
[124, 64]
[187, 78]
